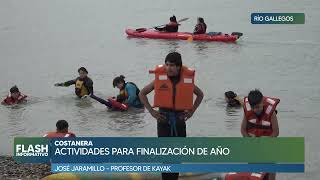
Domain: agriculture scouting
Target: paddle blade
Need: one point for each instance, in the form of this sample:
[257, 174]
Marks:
[141, 30]
[184, 19]
[239, 34]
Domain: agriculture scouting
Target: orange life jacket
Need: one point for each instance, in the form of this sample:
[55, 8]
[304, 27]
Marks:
[260, 126]
[59, 135]
[10, 101]
[245, 176]
[178, 97]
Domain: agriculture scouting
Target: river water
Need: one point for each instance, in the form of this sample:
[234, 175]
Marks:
[43, 42]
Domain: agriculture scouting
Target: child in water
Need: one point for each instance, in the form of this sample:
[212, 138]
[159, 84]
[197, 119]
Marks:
[15, 97]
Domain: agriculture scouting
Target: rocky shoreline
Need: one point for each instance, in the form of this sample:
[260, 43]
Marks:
[10, 170]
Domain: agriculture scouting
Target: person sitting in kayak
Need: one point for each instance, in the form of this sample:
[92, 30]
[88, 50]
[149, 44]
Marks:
[15, 97]
[232, 99]
[128, 91]
[62, 130]
[172, 26]
[201, 27]
[83, 84]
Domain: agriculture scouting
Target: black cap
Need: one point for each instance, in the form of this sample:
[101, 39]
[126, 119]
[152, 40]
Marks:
[14, 89]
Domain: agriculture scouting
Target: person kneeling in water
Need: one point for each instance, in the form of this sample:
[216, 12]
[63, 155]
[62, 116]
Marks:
[83, 84]
[129, 92]
[62, 130]
[128, 96]
[15, 97]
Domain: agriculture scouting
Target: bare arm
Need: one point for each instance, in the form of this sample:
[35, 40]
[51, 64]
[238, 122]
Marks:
[244, 127]
[144, 99]
[143, 95]
[275, 125]
[197, 91]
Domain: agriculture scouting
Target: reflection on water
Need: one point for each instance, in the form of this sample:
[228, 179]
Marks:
[233, 111]
[232, 119]
[83, 103]
[139, 41]
[200, 46]
[131, 120]
[15, 120]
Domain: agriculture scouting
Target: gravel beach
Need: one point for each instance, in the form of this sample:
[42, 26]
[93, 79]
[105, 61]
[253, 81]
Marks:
[11, 170]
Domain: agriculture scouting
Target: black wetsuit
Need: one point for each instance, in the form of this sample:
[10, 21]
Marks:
[87, 83]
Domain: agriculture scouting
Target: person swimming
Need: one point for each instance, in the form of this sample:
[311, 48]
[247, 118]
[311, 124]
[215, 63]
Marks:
[232, 99]
[15, 97]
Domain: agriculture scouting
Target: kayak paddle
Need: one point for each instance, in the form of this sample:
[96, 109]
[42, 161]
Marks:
[144, 29]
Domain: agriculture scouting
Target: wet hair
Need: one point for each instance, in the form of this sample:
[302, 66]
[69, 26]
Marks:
[230, 94]
[175, 58]
[255, 97]
[201, 20]
[14, 89]
[82, 69]
[61, 125]
[173, 18]
[117, 80]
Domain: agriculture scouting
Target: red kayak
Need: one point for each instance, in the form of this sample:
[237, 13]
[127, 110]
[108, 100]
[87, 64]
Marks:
[153, 34]
[246, 176]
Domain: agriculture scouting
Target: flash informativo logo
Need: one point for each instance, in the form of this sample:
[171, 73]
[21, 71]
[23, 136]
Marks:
[31, 150]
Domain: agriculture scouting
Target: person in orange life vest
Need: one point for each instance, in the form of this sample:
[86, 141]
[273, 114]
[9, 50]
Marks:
[174, 88]
[62, 130]
[15, 97]
[83, 84]
[260, 118]
[172, 26]
[201, 27]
